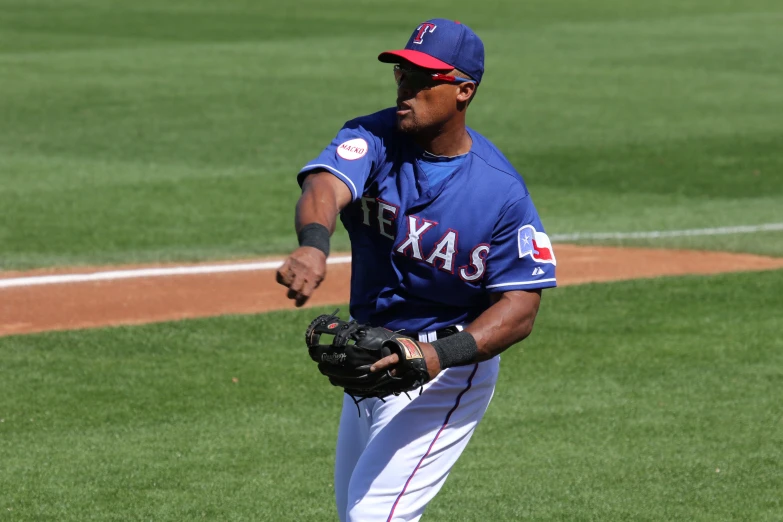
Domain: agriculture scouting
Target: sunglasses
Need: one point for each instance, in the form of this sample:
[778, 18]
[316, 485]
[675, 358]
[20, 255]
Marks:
[418, 79]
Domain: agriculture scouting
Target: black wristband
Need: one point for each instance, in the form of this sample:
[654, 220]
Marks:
[456, 350]
[314, 235]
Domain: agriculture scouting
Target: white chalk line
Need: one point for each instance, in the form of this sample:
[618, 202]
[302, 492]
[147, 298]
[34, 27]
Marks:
[654, 234]
[114, 275]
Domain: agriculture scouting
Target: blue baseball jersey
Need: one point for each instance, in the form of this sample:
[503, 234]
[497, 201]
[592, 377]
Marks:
[426, 257]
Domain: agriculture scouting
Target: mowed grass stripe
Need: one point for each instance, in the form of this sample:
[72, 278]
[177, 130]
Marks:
[589, 78]
[643, 400]
[89, 23]
[136, 138]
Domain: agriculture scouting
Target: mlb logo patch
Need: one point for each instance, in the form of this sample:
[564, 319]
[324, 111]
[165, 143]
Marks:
[535, 244]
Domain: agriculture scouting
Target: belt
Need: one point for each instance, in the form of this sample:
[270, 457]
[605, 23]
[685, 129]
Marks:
[432, 335]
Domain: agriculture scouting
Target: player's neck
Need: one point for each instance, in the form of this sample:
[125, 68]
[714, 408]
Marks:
[451, 140]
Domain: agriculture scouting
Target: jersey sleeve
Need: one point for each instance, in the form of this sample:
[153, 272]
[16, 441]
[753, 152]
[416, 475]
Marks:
[352, 156]
[520, 256]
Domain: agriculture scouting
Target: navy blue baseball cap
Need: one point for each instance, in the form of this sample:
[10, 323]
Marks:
[442, 45]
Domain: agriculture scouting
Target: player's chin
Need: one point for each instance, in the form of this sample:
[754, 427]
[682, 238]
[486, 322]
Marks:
[406, 123]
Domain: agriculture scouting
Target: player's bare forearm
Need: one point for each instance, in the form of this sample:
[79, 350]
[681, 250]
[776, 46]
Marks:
[323, 197]
[509, 320]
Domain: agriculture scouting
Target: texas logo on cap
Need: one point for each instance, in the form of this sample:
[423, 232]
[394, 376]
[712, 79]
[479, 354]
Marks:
[442, 45]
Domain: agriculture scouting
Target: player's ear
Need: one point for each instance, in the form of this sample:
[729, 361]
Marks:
[465, 92]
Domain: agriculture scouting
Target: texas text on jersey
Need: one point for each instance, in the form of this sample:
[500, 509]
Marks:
[410, 237]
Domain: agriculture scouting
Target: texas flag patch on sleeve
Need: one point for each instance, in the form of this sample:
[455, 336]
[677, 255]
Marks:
[535, 244]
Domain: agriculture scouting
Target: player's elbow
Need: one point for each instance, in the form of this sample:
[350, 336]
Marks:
[525, 327]
[524, 309]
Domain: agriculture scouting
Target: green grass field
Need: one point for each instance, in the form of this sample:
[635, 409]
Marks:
[146, 131]
[172, 131]
[662, 403]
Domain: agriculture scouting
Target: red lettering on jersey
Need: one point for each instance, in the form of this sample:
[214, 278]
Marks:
[350, 149]
[478, 261]
[424, 28]
[445, 250]
[414, 237]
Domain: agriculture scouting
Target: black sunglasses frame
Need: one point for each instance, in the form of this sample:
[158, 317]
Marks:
[421, 79]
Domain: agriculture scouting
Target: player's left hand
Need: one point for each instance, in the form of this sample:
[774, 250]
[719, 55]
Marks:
[430, 357]
[356, 348]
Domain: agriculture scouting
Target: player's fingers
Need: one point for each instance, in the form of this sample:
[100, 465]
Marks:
[306, 292]
[296, 285]
[302, 295]
[293, 292]
[284, 273]
[385, 363]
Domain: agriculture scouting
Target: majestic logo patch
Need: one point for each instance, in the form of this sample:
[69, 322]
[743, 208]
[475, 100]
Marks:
[536, 244]
[412, 350]
[424, 28]
[352, 149]
[333, 358]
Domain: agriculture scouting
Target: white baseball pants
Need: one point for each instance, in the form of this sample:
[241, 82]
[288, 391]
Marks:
[393, 457]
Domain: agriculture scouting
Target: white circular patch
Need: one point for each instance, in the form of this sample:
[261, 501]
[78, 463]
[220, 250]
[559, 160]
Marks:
[352, 149]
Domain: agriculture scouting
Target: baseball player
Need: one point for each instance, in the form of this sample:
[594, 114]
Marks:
[447, 248]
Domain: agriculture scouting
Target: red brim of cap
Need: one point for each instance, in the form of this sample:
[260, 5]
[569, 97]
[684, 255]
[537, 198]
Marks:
[417, 58]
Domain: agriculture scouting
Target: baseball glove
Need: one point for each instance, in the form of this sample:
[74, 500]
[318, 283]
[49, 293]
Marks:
[346, 360]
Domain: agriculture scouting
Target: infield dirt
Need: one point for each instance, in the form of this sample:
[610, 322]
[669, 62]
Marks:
[71, 306]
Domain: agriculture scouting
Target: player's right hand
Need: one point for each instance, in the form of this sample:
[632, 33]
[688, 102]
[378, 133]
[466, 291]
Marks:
[302, 272]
